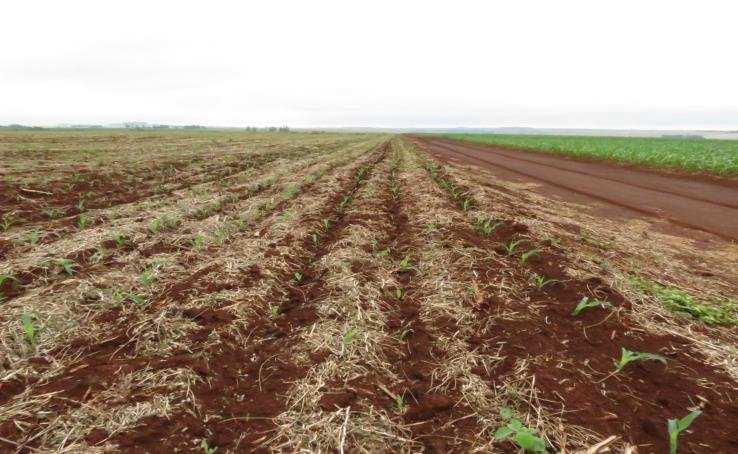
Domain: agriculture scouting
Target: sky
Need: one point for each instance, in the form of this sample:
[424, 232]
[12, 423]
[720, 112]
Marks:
[567, 64]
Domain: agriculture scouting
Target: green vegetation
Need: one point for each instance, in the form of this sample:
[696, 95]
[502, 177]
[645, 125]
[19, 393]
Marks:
[627, 357]
[680, 302]
[29, 329]
[675, 426]
[587, 303]
[521, 435]
[697, 155]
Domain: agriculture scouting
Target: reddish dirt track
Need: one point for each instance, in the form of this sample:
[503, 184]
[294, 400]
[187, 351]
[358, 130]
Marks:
[696, 203]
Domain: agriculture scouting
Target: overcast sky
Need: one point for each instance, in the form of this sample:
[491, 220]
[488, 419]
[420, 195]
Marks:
[616, 64]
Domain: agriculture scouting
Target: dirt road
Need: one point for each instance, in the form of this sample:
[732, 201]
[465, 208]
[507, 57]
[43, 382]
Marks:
[687, 202]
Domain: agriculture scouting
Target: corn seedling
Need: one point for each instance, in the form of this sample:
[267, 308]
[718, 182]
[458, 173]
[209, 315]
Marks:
[676, 426]
[165, 222]
[525, 256]
[384, 253]
[197, 242]
[6, 222]
[400, 404]
[66, 265]
[274, 310]
[53, 213]
[33, 237]
[399, 294]
[486, 226]
[627, 357]
[290, 191]
[521, 435]
[466, 204]
[29, 329]
[541, 281]
[206, 449]
[511, 246]
[405, 264]
[315, 239]
[349, 337]
[83, 222]
[326, 223]
[587, 303]
[81, 204]
[119, 240]
[298, 276]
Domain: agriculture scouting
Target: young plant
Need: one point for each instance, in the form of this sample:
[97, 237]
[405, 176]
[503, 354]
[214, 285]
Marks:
[197, 241]
[399, 294]
[675, 426]
[206, 449]
[66, 265]
[587, 303]
[627, 357]
[541, 281]
[486, 226]
[33, 237]
[83, 222]
[466, 204]
[6, 221]
[384, 253]
[400, 404]
[298, 276]
[29, 328]
[511, 246]
[349, 337]
[527, 255]
[521, 435]
[405, 265]
[119, 239]
[326, 223]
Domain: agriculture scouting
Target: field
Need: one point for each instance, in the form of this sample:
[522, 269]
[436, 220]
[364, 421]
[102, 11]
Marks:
[694, 155]
[230, 292]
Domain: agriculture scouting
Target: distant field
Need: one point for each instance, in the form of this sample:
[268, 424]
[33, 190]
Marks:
[695, 155]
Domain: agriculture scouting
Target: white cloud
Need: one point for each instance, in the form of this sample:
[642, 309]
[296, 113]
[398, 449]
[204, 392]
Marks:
[535, 63]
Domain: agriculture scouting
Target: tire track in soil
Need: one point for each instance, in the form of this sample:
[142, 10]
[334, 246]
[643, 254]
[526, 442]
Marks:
[569, 354]
[97, 366]
[21, 281]
[242, 382]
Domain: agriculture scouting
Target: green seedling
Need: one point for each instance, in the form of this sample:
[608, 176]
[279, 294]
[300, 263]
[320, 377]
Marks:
[466, 204]
[346, 200]
[66, 265]
[147, 277]
[405, 264]
[384, 253]
[511, 246]
[83, 222]
[395, 191]
[29, 328]
[119, 239]
[326, 223]
[206, 449]
[486, 226]
[400, 404]
[274, 310]
[521, 435]
[399, 294]
[53, 213]
[81, 205]
[197, 242]
[6, 222]
[541, 281]
[680, 302]
[527, 255]
[33, 237]
[298, 276]
[349, 337]
[315, 239]
[627, 357]
[165, 222]
[676, 426]
[587, 303]
[290, 191]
